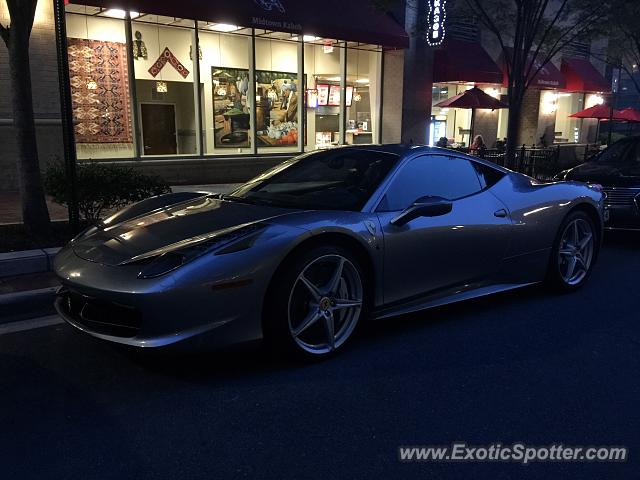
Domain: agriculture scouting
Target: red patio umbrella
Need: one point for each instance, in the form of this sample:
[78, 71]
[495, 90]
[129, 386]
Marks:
[599, 112]
[472, 99]
[630, 115]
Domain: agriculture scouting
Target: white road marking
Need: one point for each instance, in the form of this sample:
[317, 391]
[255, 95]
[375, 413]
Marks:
[31, 324]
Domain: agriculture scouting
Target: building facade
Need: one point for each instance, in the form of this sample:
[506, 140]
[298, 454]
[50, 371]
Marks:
[202, 92]
[214, 93]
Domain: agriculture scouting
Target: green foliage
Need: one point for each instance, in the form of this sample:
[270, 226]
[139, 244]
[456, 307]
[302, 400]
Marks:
[102, 187]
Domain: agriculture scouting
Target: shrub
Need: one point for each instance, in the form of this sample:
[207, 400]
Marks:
[102, 187]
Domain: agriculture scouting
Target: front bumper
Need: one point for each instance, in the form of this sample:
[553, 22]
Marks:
[619, 217]
[124, 329]
[112, 304]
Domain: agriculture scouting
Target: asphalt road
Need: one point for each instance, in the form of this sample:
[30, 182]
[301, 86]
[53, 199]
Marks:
[523, 366]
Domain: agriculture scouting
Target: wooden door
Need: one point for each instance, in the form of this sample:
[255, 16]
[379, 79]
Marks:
[159, 129]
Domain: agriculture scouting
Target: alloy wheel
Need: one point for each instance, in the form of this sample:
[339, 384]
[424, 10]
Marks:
[325, 304]
[576, 251]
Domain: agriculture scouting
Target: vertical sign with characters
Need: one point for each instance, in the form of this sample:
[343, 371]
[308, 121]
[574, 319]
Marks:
[436, 21]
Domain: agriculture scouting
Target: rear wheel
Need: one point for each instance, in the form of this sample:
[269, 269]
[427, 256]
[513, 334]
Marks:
[316, 303]
[574, 253]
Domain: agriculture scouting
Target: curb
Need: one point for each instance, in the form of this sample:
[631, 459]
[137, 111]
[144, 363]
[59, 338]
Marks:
[27, 262]
[27, 305]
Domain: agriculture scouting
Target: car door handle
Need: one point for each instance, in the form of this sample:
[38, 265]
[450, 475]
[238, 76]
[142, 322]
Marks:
[502, 213]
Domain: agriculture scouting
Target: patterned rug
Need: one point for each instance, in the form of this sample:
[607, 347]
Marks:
[102, 114]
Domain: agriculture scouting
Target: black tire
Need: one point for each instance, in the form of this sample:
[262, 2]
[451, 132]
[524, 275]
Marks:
[556, 273]
[277, 326]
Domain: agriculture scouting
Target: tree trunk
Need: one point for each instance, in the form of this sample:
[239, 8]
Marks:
[513, 132]
[34, 208]
[516, 97]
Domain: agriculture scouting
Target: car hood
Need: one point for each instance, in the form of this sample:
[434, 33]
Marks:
[607, 174]
[119, 243]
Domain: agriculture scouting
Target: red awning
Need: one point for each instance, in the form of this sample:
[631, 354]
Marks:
[548, 77]
[460, 61]
[582, 76]
[353, 20]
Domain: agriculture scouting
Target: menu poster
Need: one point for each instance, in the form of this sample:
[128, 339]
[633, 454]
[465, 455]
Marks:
[323, 94]
[349, 96]
[312, 98]
[334, 96]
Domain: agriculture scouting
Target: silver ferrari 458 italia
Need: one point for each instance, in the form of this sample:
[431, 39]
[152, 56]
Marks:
[305, 252]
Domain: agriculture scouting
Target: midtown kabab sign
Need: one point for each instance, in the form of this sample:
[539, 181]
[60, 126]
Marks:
[435, 22]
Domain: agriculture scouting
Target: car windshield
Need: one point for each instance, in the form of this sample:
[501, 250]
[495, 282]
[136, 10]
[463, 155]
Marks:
[623, 151]
[340, 179]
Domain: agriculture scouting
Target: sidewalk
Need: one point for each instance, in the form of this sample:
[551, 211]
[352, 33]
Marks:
[11, 210]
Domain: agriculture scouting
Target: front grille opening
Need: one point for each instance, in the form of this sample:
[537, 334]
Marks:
[621, 196]
[100, 316]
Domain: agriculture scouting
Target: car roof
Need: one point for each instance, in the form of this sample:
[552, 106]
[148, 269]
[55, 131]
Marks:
[399, 148]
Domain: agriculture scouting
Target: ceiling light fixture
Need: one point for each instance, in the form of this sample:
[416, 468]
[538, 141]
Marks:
[121, 14]
[305, 38]
[223, 27]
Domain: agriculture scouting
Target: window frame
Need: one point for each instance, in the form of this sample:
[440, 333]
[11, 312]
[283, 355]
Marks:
[377, 198]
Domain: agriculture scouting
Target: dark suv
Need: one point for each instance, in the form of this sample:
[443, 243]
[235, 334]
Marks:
[617, 169]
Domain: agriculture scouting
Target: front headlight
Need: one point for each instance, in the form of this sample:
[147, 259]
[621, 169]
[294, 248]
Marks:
[167, 259]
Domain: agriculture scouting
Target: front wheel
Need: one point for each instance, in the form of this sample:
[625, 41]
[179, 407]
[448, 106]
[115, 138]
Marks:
[574, 253]
[317, 302]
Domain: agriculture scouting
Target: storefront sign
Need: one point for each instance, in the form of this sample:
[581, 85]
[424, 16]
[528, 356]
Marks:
[276, 24]
[436, 21]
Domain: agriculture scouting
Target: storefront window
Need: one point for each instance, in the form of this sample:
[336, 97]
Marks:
[224, 71]
[99, 72]
[164, 72]
[455, 122]
[362, 94]
[136, 91]
[569, 129]
[322, 69]
[277, 92]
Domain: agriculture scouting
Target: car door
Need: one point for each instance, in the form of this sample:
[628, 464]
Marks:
[462, 247]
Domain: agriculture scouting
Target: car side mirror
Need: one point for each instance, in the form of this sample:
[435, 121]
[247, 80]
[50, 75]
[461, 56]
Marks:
[423, 207]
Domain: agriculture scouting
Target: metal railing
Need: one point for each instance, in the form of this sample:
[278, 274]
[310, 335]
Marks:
[541, 163]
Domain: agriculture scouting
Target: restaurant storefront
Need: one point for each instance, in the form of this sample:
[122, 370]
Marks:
[458, 66]
[216, 92]
[147, 84]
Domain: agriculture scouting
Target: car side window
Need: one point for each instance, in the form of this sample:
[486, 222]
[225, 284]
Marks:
[488, 176]
[431, 175]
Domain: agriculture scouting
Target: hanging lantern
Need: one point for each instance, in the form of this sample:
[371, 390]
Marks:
[92, 84]
[162, 87]
[356, 96]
